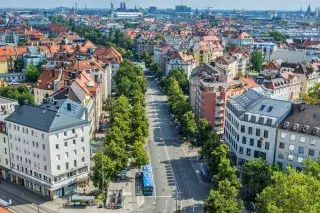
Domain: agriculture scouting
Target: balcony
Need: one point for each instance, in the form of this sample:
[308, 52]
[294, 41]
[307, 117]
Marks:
[218, 128]
[219, 108]
[219, 115]
[219, 101]
[218, 122]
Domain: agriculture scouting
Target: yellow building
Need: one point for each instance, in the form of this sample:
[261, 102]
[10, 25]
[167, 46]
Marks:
[206, 52]
[3, 65]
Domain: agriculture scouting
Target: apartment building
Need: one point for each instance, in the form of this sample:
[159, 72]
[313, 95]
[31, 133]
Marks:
[298, 137]
[181, 60]
[210, 91]
[251, 125]
[7, 107]
[49, 150]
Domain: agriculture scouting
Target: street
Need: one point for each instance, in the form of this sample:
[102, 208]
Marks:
[176, 183]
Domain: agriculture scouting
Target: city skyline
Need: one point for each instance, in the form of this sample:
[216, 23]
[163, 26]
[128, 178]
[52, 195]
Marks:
[227, 4]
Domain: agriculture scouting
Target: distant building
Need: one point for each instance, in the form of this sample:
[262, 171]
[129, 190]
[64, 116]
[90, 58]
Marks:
[152, 9]
[127, 15]
[183, 9]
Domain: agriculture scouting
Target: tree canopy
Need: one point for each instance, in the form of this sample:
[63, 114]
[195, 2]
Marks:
[257, 60]
[32, 73]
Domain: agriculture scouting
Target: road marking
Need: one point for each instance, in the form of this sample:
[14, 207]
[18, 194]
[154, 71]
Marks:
[164, 209]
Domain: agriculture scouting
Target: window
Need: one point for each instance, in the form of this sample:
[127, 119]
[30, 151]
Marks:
[33, 143]
[302, 139]
[311, 152]
[58, 157]
[243, 128]
[57, 146]
[312, 142]
[292, 137]
[82, 139]
[291, 147]
[65, 133]
[265, 134]
[83, 159]
[257, 132]
[45, 168]
[73, 131]
[66, 143]
[281, 145]
[282, 135]
[244, 140]
[267, 145]
[250, 131]
[75, 163]
[42, 136]
[241, 150]
[280, 155]
[248, 152]
[58, 167]
[256, 154]
[251, 142]
[300, 160]
[253, 118]
[301, 150]
[269, 108]
[262, 107]
[66, 154]
[67, 166]
[82, 149]
[246, 117]
[74, 142]
[259, 143]
[43, 147]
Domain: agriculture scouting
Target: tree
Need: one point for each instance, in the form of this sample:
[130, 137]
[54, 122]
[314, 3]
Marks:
[257, 60]
[32, 73]
[159, 36]
[211, 144]
[313, 96]
[277, 36]
[203, 134]
[290, 192]
[226, 171]
[139, 154]
[188, 124]
[223, 199]
[311, 167]
[182, 78]
[18, 65]
[102, 170]
[257, 174]
[41, 64]
[215, 158]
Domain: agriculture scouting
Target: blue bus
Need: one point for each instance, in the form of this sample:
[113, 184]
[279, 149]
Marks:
[147, 181]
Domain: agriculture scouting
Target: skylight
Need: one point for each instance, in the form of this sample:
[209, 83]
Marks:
[262, 107]
[269, 108]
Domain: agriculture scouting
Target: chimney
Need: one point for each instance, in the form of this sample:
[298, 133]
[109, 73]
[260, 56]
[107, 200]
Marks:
[69, 106]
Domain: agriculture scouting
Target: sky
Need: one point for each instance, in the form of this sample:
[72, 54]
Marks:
[216, 4]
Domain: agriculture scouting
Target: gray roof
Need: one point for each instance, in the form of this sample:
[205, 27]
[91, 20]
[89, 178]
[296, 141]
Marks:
[60, 106]
[303, 115]
[289, 56]
[44, 119]
[4, 100]
[256, 101]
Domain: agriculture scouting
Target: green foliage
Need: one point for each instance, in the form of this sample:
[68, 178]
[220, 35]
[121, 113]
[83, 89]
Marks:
[257, 60]
[311, 167]
[181, 77]
[32, 73]
[40, 64]
[277, 36]
[103, 167]
[215, 157]
[154, 67]
[139, 154]
[291, 192]
[21, 94]
[203, 134]
[188, 124]
[159, 36]
[18, 65]
[223, 199]
[146, 58]
[211, 144]
[257, 174]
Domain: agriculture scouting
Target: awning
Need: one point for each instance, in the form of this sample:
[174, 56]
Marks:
[82, 198]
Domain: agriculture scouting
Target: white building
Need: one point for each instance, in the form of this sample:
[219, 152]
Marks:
[181, 60]
[6, 108]
[49, 150]
[250, 127]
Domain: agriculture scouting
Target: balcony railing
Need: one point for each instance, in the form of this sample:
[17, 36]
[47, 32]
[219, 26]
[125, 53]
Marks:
[219, 115]
[219, 101]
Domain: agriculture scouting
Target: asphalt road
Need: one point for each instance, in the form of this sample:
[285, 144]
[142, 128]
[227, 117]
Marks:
[176, 183]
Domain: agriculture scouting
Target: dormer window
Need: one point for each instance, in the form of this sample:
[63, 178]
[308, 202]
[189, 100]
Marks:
[295, 127]
[305, 128]
[286, 124]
